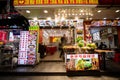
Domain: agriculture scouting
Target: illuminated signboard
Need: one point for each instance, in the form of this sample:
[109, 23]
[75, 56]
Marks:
[83, 62]
[49, 2]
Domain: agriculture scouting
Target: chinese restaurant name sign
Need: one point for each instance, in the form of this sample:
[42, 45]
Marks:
[53, 2]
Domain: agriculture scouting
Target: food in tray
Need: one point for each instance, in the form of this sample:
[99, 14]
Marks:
[71, 64]
[79, 31]
[83, 64]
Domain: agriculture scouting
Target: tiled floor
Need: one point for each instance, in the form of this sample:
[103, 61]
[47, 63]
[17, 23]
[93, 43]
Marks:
[50, 67]
[55, 56]
[58, 78]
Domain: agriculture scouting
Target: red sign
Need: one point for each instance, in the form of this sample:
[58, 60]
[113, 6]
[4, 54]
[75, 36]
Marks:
[3, 36]
[53, 2]
[81, 56]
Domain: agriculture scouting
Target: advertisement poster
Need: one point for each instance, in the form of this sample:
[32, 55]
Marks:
[31, 53]
[53, 23]
[3, 35]
[81, 62]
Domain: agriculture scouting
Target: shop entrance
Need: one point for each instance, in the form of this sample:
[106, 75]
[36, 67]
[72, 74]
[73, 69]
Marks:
[50, 40]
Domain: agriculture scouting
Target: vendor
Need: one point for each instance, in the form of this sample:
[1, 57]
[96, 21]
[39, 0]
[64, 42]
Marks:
[102, 46]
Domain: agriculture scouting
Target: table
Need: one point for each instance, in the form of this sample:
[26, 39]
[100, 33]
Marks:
[102, 53]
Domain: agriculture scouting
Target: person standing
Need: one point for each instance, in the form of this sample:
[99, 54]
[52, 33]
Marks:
[63, 42]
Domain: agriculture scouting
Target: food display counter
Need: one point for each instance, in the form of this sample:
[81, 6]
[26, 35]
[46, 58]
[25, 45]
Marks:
[77, 61]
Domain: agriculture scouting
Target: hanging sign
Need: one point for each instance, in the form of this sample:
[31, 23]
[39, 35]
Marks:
[53, 2]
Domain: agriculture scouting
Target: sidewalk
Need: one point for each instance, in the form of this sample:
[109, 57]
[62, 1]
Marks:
[58, 68]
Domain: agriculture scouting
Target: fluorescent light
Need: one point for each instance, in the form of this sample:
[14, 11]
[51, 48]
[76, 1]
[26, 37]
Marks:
[117, 11]
[27, 11]
[45, 11]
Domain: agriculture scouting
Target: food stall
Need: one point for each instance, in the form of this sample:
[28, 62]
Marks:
[81, 58]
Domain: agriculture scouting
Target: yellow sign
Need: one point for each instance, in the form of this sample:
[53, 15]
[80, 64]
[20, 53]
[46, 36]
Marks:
[53, 2]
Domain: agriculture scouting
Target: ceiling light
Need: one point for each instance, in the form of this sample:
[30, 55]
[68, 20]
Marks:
[45, 11]
[35, 18]
[27, 11]
[81, 10]
[104, 18]
[63, 18]
[76, 18]
[117, 18]
[117, 11]
[9, 17]
[99, 11]
[49, 18]
[90, 18]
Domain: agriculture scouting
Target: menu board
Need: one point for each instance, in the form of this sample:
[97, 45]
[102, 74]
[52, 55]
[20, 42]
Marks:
[23, 47]
[96, 36]
[105, 23]
[81, 62]
[27, 47]
[53, 23]
[53, 2]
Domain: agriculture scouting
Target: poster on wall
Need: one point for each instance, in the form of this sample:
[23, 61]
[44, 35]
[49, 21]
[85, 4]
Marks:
[81, 62]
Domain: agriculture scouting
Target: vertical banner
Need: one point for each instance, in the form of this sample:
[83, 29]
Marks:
[33, 44]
